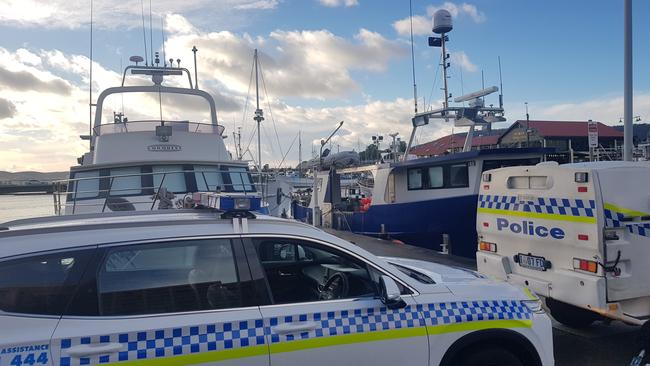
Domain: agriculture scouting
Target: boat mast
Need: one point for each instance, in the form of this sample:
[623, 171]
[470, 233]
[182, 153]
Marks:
[300, 154]
[259, 117]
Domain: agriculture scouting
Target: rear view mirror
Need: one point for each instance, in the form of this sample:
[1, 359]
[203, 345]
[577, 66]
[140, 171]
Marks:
[390, 294]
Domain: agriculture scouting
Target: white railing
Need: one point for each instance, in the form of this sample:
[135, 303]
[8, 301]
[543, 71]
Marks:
[70, 198]
[150, 125]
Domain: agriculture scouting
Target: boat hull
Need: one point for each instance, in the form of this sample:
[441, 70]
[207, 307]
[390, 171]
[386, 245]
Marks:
[420, 223]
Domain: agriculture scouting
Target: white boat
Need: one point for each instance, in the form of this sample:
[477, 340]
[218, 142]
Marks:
[144, 163]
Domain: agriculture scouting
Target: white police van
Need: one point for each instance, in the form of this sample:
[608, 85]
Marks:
[178, 287]
[576, 234]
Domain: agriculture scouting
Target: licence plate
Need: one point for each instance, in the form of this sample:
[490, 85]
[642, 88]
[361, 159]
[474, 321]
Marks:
[532, 262]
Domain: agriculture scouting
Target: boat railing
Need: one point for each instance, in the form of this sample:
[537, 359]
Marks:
[150, 126]
[82, 194]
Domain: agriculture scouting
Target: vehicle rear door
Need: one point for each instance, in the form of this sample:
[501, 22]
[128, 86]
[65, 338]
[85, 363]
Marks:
[34, 291]
[540, 219]
[315, 326]
[185, 301]
[626, 211]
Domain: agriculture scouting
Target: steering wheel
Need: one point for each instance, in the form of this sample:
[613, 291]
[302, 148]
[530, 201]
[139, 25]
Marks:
[336, 287]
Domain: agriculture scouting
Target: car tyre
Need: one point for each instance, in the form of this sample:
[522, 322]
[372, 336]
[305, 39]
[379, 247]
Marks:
[569, 315]
[493, 356]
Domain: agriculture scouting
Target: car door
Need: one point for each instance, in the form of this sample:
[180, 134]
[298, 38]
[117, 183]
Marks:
[184, 301]
[34, 290]
[327, 326]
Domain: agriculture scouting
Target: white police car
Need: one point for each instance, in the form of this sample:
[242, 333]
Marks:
[192, 287]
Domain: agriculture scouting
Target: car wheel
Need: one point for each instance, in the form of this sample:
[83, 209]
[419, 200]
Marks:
[493, 356]
[569, 315]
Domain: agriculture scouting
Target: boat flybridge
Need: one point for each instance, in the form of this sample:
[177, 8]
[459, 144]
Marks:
[424, 201]
[164, 144]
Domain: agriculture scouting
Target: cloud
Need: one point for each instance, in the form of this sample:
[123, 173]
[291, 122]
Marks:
[337, 3]
[72, 14]
[457, 10]
[306, 64]
[258, 4]
[26, 81]
[461, 59]
[7, 108]
[606, 110]
[421, 26]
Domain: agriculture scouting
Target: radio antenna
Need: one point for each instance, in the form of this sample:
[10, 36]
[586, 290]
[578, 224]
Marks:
[415, 88]
[144, 35]
[500, 86]
[162, 35]
[90, 81]
[150, 33]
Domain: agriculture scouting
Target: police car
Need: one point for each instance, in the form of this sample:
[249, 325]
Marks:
[576, 234]
[179, 287]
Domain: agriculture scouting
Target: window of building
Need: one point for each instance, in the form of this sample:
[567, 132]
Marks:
[172, 177]
[300, 271]
[126, 181]
[87, 185]
[208, 178]
[41, 284]
[170, 277]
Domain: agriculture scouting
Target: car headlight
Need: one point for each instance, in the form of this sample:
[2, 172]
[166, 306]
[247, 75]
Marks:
[534, 305]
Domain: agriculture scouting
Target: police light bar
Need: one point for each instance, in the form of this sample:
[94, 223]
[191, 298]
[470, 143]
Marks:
[227, 202]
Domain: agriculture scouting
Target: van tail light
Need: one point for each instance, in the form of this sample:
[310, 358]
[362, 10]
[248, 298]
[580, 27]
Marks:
[585, 265]
[582, 189]
[487, 247]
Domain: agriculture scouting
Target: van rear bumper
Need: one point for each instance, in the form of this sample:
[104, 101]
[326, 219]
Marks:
[578, 289]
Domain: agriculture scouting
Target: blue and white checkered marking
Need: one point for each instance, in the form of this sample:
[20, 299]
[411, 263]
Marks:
[224, 336]
[170, 342]
[542, 205]
[615, 219]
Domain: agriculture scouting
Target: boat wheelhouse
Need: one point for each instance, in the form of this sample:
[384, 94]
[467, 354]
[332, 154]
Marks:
[169, 145]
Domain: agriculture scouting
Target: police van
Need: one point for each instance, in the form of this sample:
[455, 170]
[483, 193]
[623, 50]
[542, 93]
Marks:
[576, 234]
[182, 287]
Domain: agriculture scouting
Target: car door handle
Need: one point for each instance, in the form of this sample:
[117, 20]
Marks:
[288, 328]
[85, 350]
[285, 274]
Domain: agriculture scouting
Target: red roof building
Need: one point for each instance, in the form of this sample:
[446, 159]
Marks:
[454, 143]
[567, 137]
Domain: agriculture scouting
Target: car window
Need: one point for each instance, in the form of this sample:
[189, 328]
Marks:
[303, 271]
[171, 277]
[41, 284]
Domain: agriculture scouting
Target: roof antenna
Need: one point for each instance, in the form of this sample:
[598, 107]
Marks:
[144, 35]
[196, 74]
[415, 88]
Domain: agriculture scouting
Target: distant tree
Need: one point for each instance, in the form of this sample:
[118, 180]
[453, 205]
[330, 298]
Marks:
[370, 154]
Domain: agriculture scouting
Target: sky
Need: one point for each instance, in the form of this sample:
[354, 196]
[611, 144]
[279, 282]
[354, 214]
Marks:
[322, 61]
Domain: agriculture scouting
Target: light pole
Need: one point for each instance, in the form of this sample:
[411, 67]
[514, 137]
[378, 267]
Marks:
[316, 220]
[628, 144]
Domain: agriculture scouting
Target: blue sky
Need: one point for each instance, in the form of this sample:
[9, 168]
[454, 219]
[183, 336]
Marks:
[326, 60]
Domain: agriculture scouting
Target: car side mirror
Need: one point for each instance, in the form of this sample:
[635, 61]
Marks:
[390, 294]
